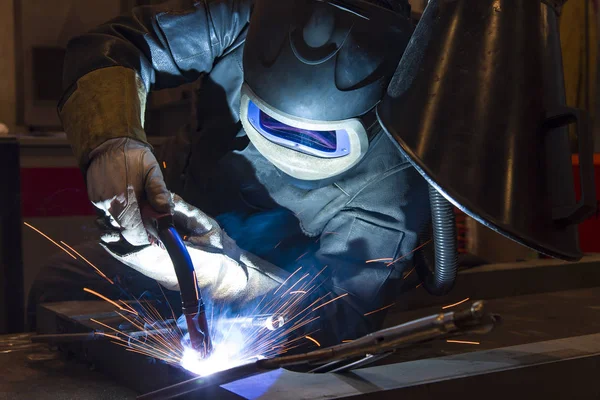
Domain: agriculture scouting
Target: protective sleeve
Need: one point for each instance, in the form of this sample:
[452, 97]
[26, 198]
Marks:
[109, 70]
[367, 248]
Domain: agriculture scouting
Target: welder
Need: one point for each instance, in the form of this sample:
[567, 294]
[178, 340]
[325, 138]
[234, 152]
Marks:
[288, 159]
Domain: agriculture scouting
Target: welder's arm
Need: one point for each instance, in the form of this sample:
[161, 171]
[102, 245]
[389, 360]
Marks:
[379, 224]
[225, 273]
[109, 70]
[108, 74]
[352, 238]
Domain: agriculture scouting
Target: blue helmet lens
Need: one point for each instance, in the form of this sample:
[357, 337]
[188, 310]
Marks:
[325, 144]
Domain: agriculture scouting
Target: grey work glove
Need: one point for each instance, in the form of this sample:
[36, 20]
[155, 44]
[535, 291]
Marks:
[122, 173]
[224, 271]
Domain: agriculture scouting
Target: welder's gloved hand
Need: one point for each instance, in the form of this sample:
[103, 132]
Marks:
[224, 271]
[122, 173]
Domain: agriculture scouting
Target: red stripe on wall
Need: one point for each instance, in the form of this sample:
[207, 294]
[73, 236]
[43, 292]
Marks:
[589, 230]
[53, 192]
[575, 159]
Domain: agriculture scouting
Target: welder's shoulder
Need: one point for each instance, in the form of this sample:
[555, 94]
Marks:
[383, 171]
[220, 13]
[194, 28]
[167, 42]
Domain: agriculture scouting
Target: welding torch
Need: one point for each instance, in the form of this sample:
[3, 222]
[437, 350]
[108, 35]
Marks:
[191, 297]
[474, 319]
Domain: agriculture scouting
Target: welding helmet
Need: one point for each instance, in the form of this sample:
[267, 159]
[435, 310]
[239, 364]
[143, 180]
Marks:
[314, 71]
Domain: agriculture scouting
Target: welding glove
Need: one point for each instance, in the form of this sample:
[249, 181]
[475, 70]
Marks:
[122, 174]
[225, 272]
[103, 118]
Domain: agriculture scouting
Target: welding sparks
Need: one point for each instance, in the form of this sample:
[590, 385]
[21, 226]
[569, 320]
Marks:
[69, 252]
[406, 255]
[286, 281]
[380, 309]
[234, 344]
[108, 335]
[280, 322]
[455, 304]
[108, 300]
[330, 301]
[88, 262]
[408, 274]
[379, 260]
[461, 342]
[298, 259]
[313, 340]
[50, 239]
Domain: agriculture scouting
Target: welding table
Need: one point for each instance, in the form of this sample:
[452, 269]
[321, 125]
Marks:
[548, 346]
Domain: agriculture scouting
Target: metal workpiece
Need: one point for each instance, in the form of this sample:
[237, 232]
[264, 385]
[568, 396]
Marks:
[348, 356]
[133, 370]
[471, 320]
[200, 383]
[555, 369]
[541, 339]
[33, 371]
[477, 105]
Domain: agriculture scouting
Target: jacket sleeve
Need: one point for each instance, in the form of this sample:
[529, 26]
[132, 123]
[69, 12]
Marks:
[109, 70]
[359, 245]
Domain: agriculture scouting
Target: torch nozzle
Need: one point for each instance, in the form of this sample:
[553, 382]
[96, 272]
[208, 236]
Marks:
[191, 297]
[198, 333]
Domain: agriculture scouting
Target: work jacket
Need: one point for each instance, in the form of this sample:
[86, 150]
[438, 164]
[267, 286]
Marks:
[357, 226]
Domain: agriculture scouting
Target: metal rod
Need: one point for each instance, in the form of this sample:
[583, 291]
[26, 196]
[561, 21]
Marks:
[95, 335]
[369, 359]
[327, 367]
[268, 321]
[417, 331]
[378, 344]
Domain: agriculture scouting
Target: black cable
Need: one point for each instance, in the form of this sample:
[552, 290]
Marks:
[438, 273]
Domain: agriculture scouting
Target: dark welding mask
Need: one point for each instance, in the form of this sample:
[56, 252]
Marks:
[314, 72]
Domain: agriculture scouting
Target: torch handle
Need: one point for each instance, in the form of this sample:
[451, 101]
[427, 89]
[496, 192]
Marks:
[191, 298]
